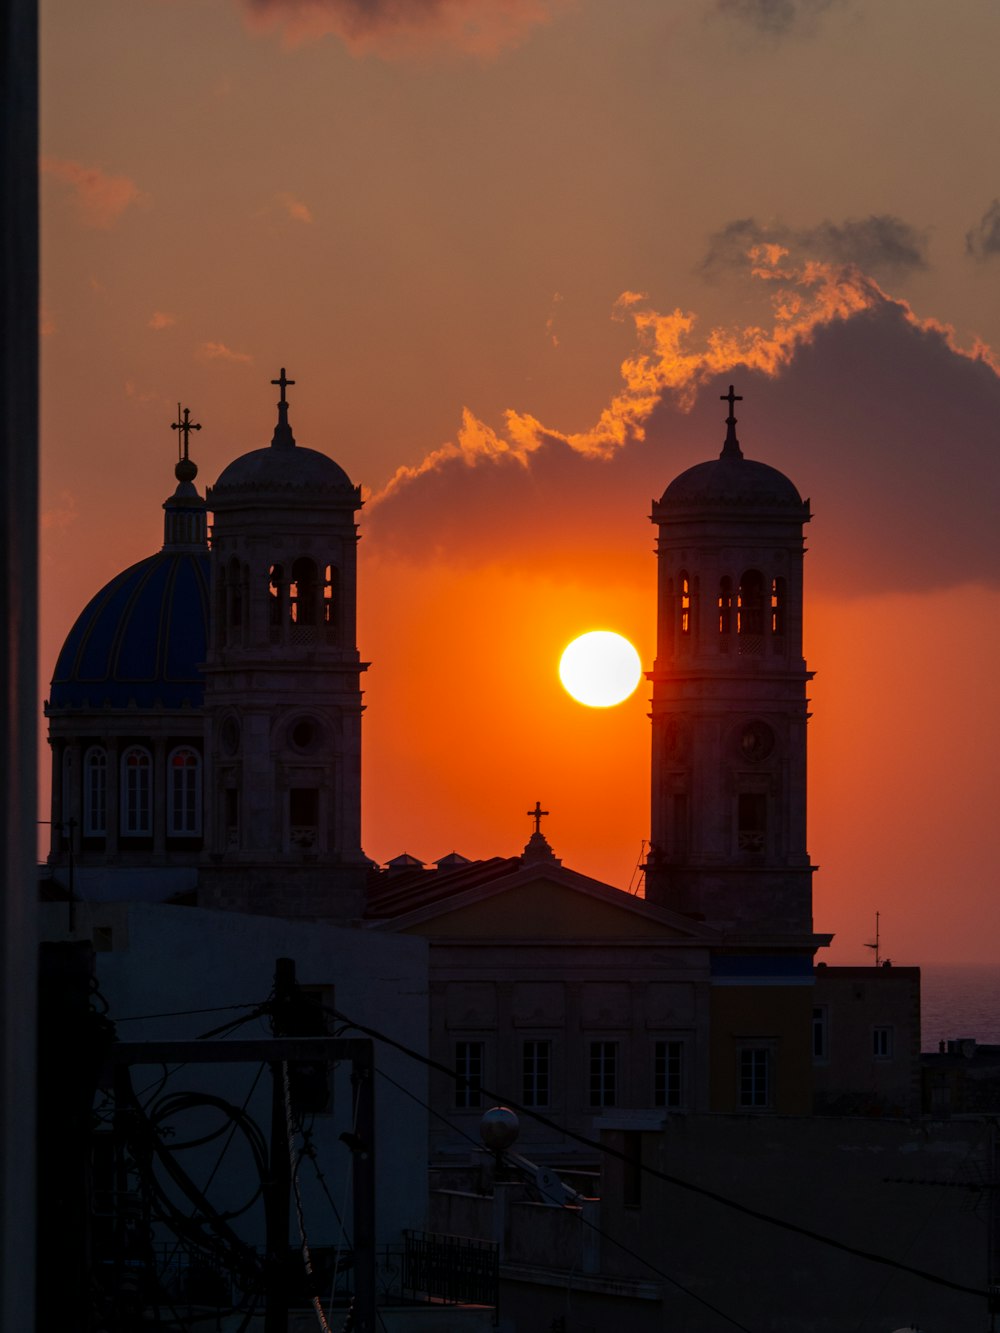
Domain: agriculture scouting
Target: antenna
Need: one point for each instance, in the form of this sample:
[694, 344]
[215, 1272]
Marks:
[875, 944]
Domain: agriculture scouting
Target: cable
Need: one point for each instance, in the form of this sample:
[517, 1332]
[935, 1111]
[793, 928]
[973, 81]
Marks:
[182, 1013]
[584, 1221]
[293, 1159]
[666, 1177]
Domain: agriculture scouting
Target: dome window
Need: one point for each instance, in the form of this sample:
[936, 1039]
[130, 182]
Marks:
[778, 607]
[277, 593]
[750, 613]
[725, 606]
[184, 793]
[137, 784]
[685, 603]
[303, 592]
[95, 792]
[331, 591]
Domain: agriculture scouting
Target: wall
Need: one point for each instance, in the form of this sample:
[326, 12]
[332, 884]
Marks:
[850, 1078]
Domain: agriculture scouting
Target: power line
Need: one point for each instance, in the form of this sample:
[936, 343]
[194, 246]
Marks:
[669, 1179]
[585, 1221]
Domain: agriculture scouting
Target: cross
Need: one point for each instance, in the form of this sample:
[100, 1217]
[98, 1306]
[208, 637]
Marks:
[729, 398]
[536, 815]
[283, 384]
[185, 425]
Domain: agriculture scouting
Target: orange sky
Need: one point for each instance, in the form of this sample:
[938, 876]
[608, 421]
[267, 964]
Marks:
[509, 252]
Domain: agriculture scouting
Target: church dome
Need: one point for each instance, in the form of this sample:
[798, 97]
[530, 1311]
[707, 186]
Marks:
[141, 640]
[283, 466]
[731, 481]
[281, 469]
[726, 483]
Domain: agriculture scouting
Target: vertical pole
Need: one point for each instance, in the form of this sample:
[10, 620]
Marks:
[280, 1172]
[363, 1083]
[18, 651]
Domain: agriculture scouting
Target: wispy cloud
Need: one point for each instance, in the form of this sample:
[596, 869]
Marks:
[295, 208]
[160, 319]
[983, 240]
[215, 351]
[881, 244]
[847, 389]
[62, 514]
[395, 29]
[100, 199]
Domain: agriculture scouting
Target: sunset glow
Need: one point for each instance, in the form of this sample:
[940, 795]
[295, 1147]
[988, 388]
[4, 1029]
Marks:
[600, 669]
[512, 331]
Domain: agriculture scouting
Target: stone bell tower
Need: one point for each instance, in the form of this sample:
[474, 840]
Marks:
[283, 686]
[729, 705]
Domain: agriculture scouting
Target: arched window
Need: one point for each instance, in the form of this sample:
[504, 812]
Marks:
[778, 604]
[221, 607]
[725, 605]
[137, 788]
[276, 596]
[302, 592]
[184, 793]
[95, 792]
[685, 583]
[235, 594]
[750, 604]
[331, 595]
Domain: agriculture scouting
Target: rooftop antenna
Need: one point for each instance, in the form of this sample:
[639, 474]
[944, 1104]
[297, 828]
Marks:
[875, 943]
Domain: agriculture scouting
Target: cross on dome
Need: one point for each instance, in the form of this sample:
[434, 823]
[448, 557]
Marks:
[731, 447]
[184, 470]
[283, 437]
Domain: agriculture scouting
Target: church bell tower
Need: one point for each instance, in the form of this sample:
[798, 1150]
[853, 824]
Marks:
[282, 686]
[729, 705]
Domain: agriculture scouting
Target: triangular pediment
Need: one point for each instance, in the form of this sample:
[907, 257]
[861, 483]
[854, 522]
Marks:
[545, 903]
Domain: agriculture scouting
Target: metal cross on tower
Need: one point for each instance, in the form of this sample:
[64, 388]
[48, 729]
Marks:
[537, 814]
[185, 425]
[283, 384]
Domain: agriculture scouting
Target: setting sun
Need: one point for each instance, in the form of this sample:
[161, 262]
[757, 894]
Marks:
[600, 669]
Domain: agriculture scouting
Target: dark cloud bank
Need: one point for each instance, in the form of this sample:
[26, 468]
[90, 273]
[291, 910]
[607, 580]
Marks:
[891, 432]
[881, 244]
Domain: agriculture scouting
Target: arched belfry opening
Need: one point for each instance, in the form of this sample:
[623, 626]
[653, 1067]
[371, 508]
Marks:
[729, 705]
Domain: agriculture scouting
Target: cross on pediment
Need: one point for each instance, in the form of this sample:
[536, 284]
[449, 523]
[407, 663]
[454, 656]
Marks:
[537, 815]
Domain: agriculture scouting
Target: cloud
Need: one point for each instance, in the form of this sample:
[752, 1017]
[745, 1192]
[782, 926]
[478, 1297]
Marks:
[295, 208]
[401, 28]
[213, 351]
[160, 319]
[61, 515]
[983, 241]
[776, 18]
[876, 413]
[881, 244]
[100, 199]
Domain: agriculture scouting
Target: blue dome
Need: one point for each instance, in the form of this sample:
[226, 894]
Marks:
[141, 640]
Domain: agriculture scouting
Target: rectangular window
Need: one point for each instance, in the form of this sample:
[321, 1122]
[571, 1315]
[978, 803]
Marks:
[303, 807]
[231, 815]
[668, 1073]
[536, 1064]
[603, 1073]
[751, 815]
[882, 1043]
[820, 1034]
[468, 1073]
[755, 1077]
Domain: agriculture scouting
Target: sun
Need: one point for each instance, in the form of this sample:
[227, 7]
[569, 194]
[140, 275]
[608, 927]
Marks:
[600, 669]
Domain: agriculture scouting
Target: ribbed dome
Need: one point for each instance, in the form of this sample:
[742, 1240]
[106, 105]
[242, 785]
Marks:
[731, 482]
[282, 469]
[140, 640]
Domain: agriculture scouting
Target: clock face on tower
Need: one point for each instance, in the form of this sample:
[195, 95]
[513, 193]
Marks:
[756, 741]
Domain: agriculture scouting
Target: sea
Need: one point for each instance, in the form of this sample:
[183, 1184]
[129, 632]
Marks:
[959, 1000]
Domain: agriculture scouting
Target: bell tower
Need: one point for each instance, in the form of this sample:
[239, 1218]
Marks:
[283, 686]
[729, 705]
